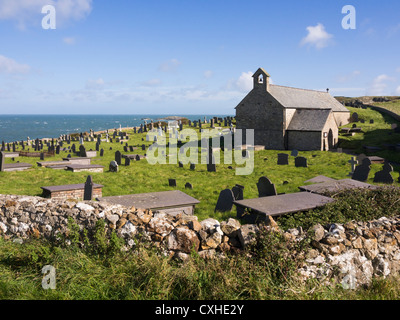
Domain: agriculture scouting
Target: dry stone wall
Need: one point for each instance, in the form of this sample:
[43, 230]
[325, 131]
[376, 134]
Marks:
[351, 253]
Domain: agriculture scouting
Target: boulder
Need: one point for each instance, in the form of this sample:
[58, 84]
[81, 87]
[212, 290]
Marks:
[183, 239]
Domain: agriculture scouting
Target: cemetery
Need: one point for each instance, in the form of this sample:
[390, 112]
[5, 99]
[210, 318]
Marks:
[184, 205]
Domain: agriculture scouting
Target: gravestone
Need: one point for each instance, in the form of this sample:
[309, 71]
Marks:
[88, 189]
[113, 166]
[283, 159]
[127, 161]
[2, 161]
[101, 152]
[42, 156]
[301, 162]
[172, 182]
[211, 161]
[180, 164]
[354, 117]
[143, 147]
[265, 188]
[82, 151]
[225, 201]
[238, 192]
[58, 149]
[118, 157]
[192, 166]
[361, 172]
[137, 158]
[353, 163]
[188, 186]
[294, 153]
[384, 176]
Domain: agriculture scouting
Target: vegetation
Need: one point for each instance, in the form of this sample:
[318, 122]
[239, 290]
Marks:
[100, 270]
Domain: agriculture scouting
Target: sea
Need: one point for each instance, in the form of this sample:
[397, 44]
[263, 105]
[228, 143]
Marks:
[20, 127]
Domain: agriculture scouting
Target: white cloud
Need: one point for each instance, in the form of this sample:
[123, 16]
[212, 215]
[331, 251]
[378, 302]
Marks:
[169, 66]
[96, 84]
[245, 82]
[10, 66]
[208, 74]
[317, 37]
[379, 85]
[151, 83]
[69, 40]
[28, 12]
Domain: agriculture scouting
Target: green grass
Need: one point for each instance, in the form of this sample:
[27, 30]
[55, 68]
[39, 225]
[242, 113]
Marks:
[393, 105]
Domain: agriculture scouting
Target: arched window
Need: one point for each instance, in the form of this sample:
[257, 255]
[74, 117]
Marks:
[261, 79]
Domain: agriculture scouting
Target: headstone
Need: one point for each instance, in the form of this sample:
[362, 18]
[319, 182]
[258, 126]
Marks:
[101, 152]
[180, 164]
[188, 186]
[143, 147]
[82, 151]
[361, 172]
[127, 161]
[172, 182]
[225, 201]
[211, 161]
[137, 158]
[88, 190]
[301, 162]
[283, 159]
[354, 117]
[2, 161]
[118, 157]
[265, 188]
[192, 166]
[238, 192]
[113, 166]
[384, 176]
[41, 156]
[294, 153]
[353, 163]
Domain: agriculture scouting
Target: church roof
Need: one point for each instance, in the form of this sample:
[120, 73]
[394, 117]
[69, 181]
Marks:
[309, 119]
[293, 98]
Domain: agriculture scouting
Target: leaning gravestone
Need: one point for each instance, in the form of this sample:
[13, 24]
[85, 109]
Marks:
[361, 172]
[2, 161]
[384, 176]
[265, 188]
[301, 162]
[283, 159]
[88, 189]
[113, 166]
[225, 201]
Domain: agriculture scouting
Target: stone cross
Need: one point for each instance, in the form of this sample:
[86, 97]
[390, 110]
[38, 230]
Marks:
[353, 163]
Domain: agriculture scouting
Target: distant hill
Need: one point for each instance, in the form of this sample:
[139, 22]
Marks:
[368, 99]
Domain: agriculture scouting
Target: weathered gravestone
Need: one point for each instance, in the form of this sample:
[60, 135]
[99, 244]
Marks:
[225, 201]
[113, 166]
[88, 189]
[294, 153]
[361, 172]
[384, 176]
[301, 162]
[353, 163]
[127, 161]
[2, 161]
[188, 186]
[265, 188]
[354, 117]
[118, 157]
[283, 159]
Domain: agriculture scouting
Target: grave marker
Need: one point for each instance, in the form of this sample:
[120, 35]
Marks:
[172, 182]
[384, 176]
[118, 157]
[353, 163]
[113, 166]
[2, 161]
[225, 201]
[88, 189]
[301, 162]
[188, 186]
[283, 159]
[361, 172]
[265, 188]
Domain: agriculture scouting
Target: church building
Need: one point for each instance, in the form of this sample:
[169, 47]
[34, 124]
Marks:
[285, 118]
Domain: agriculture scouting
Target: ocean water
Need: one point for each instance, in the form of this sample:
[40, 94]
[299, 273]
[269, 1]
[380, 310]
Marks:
[20, 127]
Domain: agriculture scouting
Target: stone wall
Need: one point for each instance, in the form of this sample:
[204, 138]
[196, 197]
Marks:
[352, 253]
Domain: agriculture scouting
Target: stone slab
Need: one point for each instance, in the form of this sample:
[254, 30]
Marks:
[11, 154]
[20, 166]
[83, 167]
[163, 200]
[79, 160]
[68, 187]
[320, 179]
[284, 204]
[336, 185]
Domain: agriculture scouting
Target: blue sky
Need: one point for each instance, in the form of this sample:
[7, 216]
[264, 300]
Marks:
[189, 57]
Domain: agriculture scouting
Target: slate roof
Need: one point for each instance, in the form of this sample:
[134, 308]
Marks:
[294, 98]
[309, 119]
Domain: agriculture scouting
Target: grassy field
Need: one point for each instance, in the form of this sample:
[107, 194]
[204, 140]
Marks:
[393, 105]
[142, 177]
[143, 274]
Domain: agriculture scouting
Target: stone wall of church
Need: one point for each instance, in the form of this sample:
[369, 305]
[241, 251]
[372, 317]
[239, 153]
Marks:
[304, 140]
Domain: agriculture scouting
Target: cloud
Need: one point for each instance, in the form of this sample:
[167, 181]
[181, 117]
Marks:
[208, 74]
[69, 40]
[10, 66]
[317, 37]
[29, 12]
[151, 83]
[245, 81]
[379, 85]
[96, 84]
[169, 66]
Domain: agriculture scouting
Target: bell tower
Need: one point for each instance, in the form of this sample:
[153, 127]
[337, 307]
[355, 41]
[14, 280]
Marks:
[261, 79]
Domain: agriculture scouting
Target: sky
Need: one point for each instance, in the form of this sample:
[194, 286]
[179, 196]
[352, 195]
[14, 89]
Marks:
[189, 56]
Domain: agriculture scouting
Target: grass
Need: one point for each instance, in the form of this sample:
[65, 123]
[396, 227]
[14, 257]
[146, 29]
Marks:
[393, 105]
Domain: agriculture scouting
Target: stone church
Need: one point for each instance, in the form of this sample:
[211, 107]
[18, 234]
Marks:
[285, 118]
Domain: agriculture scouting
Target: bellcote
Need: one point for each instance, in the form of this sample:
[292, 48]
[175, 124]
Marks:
[261, 79]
